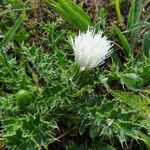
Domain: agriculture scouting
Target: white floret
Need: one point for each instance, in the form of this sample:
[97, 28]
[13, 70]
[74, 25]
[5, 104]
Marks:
[91, 49]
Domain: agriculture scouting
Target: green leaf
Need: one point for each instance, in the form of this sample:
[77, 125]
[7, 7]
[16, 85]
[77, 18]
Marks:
[102, 19]
[138, 135]
[146, 44]
[22, 35]
[117, 6]
[131, 14]
[58, 8]
[9, 37]
[124, 42]
[135, 33]
[10, 34]
[94, 131]
[68, 8]
[82, 128]
[73, 146]
[144, 138]
[71, 13]
[133, 134]
[104, 81]
[131, 80]
[29, 132]
[101, 146]
[137, 25]
[137, 102]
[79, 10]
[138, 10]
[16, 4]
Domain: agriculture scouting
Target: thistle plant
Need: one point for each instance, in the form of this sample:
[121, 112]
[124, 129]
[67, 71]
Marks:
[42, 103]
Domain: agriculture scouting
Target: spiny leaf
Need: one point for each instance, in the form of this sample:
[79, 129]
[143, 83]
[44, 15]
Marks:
[137, 102]
[132, 81]
[144, 138]
[140, 136]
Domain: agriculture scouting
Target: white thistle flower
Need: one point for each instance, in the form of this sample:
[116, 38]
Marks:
[91, 49]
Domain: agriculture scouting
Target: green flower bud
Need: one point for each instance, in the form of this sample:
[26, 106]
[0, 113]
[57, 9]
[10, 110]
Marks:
[24, 99]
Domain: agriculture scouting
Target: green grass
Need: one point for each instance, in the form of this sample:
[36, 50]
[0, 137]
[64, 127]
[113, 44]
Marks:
[41, 97]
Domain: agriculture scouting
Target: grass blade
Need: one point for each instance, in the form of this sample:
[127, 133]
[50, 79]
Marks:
[10, 34]
[117, 6]
[79, 10]
[9, 37]
[74, 13]
[146, 44]
[71, 13]
[58, 8]
[131, 15]
[137, 25]
[124, 42]
[138, 10]
[135, 33]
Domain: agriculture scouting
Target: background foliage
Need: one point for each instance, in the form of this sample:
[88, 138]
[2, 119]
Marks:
[43, 104]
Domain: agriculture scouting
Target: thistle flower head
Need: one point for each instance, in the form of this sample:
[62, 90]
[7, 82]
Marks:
[91, 49]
